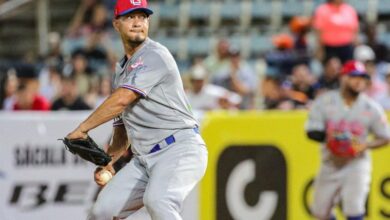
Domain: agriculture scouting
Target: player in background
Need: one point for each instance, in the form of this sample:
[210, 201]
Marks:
[170, 156]
[341, 121]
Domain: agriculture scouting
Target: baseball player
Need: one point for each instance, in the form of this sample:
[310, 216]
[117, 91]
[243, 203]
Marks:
[342, 120]
[170, 156]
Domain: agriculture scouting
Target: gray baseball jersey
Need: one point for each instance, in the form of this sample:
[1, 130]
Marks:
[330, 114]
[163, 108]
[347, 179]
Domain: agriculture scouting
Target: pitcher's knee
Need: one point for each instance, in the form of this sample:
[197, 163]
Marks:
[102, 211]
[161, 204]
[162, 207]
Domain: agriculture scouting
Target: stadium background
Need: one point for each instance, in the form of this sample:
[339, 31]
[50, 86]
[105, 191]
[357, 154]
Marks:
[43, 43]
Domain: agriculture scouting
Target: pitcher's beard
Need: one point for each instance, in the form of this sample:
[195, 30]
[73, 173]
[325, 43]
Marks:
[352, 93]
[135, 42]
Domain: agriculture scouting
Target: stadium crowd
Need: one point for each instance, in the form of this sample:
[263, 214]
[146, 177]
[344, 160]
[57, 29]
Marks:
[287, 77]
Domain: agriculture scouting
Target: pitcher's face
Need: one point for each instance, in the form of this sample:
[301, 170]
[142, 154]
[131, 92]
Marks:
[133, 27]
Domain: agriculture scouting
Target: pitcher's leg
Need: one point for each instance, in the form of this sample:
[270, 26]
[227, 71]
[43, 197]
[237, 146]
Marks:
[124, 193]
[172, 178]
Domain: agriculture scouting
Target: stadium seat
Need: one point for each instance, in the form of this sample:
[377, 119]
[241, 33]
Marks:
[384, 8]
[261, 10]
[293, 8]
[169, 11]
[385, 38]
[71, 44]
[260, 44]
[198, 46]
[171, 42]
[199, 10]
[230, 10]
[360, 6]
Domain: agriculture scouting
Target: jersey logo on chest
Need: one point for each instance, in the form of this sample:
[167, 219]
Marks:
[354, 127]
[138, 64]
[133, 69]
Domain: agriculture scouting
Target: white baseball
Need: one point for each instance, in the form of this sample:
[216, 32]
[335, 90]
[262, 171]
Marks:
[105, 176]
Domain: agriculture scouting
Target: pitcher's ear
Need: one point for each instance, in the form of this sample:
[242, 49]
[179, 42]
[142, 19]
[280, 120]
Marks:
[115, 23]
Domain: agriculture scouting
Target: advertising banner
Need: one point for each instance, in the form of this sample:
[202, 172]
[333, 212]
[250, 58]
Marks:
[262, 167]
[39, 179]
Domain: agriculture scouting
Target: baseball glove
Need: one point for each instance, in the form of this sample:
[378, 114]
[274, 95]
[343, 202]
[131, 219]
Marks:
[88, 150]
[343, 146]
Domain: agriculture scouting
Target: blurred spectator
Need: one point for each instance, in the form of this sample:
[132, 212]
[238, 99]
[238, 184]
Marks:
[205, 96]
[99, 20]
[364, 53]
[28, 99]
[79, 68]
[69, 98]
[89, 33]
[49, 75]
[82, 16]
[93, 92]
[301, 91]
[91, 16]
[377, 87]
[300, 26]
[3, 83]
[219, 59]
[385, 99]
[274, 94]
[27, 95]
[238, 77]
[284, 57]
[337, 27]
[54, 55]
[329, 79]
[99, 90]
[110, 5]
[283, 41]
[380, 49]
[96, 53]
[9, 85]
[50, 81]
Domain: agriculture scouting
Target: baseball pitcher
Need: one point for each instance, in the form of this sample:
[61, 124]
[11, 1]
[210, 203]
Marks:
[170, 156]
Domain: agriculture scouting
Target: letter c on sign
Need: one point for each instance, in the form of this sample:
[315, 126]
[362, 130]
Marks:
[239, 178]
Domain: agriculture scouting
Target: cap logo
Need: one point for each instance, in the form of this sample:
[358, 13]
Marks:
[136, 2]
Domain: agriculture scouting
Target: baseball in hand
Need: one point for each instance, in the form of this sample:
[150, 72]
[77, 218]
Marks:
[105, 176]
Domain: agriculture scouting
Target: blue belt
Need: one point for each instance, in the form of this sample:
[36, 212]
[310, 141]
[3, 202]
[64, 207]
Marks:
[169, 140]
